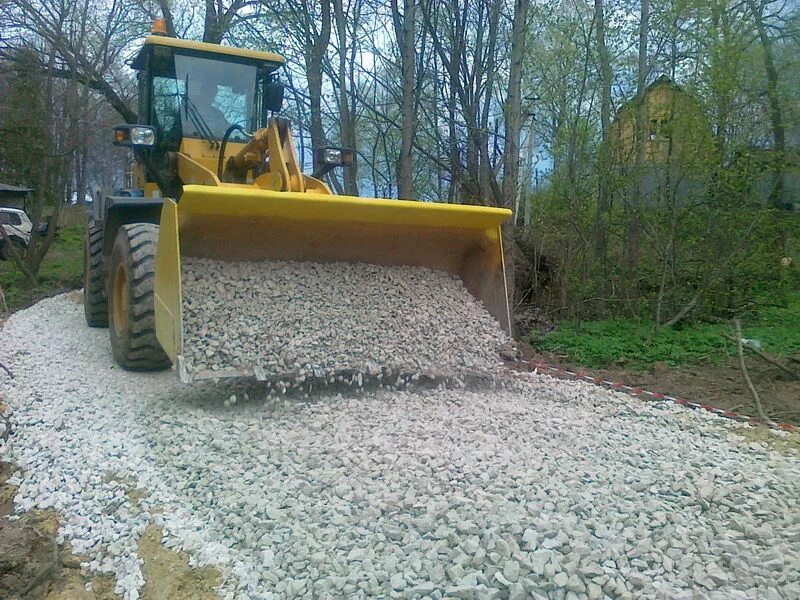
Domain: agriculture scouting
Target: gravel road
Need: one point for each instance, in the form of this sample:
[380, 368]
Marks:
[547, 489]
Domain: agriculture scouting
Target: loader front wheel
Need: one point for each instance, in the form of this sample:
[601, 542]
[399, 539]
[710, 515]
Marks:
[95, 304]
[131, 309]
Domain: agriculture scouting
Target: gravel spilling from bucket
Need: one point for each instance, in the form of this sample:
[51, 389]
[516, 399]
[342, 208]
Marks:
[549, 489]
[288, 316]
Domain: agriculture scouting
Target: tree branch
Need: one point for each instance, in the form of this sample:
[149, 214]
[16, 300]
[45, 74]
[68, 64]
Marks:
[765, 356]
[93, 81]
[760, 409]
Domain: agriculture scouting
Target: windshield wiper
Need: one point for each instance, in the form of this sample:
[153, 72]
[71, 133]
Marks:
[191, 112]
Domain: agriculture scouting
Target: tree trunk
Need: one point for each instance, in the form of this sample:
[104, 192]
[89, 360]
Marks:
[211, 30]
[513, 127]
[775, 112]
[166, 14]
[346, 126]
[513, 109]
[18, 259]
[527, 188]
[315, 50]
[404, 28]
[636, 199]
[454, 151]
[486, 65]
[218, 20]
[603, 159]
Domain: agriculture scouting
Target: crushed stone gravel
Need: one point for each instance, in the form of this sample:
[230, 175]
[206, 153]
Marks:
[547, 489]
[291, 316]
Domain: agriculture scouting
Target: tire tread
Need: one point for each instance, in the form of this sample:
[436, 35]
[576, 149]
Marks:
[138, 348]
[95, 301]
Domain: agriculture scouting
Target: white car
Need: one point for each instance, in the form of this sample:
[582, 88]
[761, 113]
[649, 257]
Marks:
[17, 226]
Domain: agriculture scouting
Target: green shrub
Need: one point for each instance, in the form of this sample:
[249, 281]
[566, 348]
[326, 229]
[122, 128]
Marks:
[619, 342]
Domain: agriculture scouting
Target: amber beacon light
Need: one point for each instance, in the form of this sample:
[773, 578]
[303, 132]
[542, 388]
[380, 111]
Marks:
[159, 27]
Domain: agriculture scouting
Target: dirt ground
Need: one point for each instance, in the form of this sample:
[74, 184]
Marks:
[718, 385]
[34, 567]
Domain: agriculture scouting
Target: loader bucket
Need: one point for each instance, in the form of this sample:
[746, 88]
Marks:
[238, 223]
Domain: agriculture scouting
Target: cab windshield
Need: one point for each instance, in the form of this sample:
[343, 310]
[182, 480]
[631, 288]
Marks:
[202, 98]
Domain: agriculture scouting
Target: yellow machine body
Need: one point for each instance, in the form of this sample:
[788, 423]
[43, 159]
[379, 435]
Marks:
[204, 48]
[247, 198]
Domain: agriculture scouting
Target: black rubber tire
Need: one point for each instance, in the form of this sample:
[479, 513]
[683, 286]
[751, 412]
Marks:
[95, 301]
[133, 327]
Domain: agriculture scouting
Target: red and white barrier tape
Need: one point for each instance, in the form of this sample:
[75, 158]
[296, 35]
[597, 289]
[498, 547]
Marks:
[634, 390]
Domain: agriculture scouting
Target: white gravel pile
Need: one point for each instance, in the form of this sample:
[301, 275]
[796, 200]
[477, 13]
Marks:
[550, 489]
[292, 316]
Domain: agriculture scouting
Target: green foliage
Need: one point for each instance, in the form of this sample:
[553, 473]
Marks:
[676, 222]
[24, 132]
[619, 342]
[62, 269]
[778, 328]
[721, 252]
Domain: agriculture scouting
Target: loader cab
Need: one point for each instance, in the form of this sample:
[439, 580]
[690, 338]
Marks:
[192, 92]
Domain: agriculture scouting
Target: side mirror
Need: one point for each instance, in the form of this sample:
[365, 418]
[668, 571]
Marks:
[273, 97]
[134, 135]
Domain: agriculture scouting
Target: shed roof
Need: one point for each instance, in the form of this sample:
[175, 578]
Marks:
[6, 187]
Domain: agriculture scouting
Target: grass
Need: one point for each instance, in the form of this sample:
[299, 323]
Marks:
[618, 342]
[62, 269]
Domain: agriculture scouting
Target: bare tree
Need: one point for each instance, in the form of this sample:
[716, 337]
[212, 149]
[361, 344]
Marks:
[513, 108]
[73, 50]
[307, 25]
[465, 38]
[513, 128]
[404, 29]
[220, 18]
[87, 44]
[346, 43]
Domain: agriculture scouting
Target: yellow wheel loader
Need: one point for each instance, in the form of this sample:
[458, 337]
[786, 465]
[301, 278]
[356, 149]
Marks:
[216, 176]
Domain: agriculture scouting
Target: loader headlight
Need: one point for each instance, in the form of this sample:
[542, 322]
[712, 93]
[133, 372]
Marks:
[143, 136]
[134, 135]
[336, 156]
[329, 157]
[333, 156]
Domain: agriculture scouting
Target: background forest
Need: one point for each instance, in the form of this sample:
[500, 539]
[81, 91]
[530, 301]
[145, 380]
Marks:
[649, 148]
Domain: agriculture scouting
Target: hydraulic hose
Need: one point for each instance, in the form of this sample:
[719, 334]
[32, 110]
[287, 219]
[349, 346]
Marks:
[225, 138]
